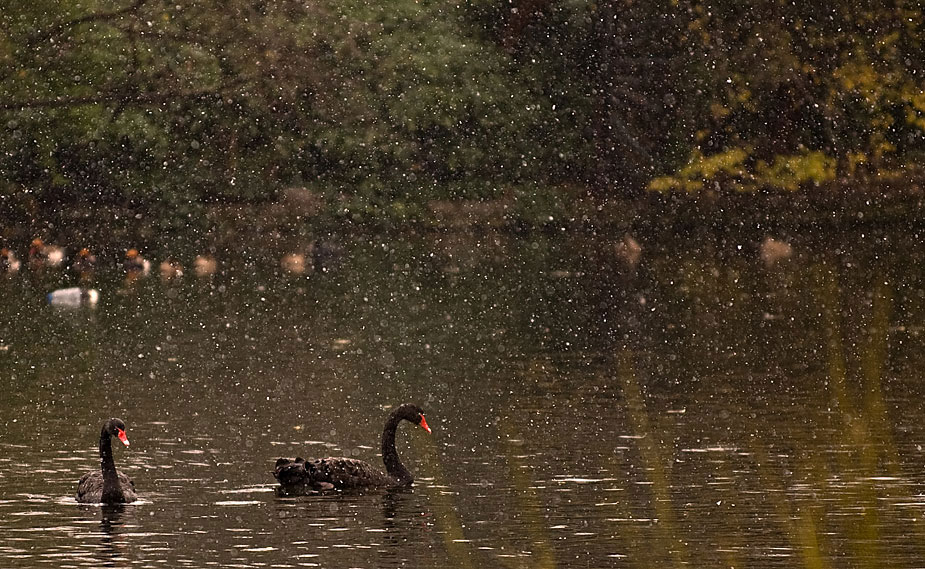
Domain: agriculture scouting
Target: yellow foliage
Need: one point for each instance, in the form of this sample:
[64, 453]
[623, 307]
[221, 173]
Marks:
[914, 117]
[855, 159]
[880, 145]
[700, 169]
[916, 98]
[859, 75]
[889, 39]
[789, 172]
[707, 167]
[718, 110]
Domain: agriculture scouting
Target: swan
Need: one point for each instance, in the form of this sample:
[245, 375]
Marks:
[107, 485]
[340, 473]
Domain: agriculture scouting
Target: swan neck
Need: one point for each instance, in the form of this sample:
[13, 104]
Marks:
[390, 458]
[107, 464]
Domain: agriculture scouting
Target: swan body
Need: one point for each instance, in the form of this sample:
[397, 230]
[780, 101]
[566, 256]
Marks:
[332, 473]
[90, 489]
[107, 485]
[340, 473]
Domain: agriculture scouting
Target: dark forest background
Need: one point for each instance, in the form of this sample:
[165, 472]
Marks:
[385, 110]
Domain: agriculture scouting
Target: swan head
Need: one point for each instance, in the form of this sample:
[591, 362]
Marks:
[414, 414]
[116, 428]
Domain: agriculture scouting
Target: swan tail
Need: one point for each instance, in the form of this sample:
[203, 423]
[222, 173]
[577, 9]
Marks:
[293, 472]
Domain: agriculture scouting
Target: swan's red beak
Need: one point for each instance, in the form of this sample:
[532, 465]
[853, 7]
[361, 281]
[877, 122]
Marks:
[423, 424]
[122, 437]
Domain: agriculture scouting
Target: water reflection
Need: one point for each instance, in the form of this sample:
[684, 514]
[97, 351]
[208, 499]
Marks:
[698, 408]
[111, 526]
[402, 523]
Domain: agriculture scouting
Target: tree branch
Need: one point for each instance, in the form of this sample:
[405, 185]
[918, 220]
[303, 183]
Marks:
[63, 27]
[123, 97]
[31, 42]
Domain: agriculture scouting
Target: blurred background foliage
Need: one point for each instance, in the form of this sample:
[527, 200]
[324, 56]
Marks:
[382, 108]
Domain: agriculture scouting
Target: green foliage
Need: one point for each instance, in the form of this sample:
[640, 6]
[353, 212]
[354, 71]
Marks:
[217, 100]
[419, 104]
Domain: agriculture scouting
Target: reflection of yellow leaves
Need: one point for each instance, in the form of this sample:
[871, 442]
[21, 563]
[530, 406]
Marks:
[914, 118]
[882, 121]
[743, 96]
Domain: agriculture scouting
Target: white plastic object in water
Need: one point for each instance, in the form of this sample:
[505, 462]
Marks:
[74, 297]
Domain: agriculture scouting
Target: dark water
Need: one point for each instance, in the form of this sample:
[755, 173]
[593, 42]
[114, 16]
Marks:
[701, 410]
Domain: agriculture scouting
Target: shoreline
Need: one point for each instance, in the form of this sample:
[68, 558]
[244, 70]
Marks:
[299, 216]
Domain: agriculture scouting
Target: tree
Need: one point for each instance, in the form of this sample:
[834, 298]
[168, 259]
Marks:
[613, 74]
[152, 101]
[799, 96]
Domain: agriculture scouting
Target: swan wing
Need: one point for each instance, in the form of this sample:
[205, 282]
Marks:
[127, 483]
[89, 483]
[334, 472]
[342, 472]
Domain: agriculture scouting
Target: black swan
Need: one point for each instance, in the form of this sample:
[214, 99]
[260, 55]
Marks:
[107, 485]
[339, 473]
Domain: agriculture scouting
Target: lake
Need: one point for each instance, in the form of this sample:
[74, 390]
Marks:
[702, 408]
